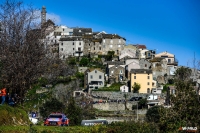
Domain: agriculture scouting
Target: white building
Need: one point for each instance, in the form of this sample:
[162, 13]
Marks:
[124, 88]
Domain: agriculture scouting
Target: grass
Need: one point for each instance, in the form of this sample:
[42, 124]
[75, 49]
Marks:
[13, 116]
[50, 129]
[120, 127]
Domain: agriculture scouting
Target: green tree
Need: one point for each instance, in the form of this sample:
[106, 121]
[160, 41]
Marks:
[185, 108]
[164, 88]
[171, 81]
[51, 106]
[71, 61]
[142, 103]
[110, 55]
[84, 61]
[136, 88]
[154, 113]
[74, 112]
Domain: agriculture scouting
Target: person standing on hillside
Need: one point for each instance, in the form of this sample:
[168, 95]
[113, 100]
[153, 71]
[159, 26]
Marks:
[3, 96]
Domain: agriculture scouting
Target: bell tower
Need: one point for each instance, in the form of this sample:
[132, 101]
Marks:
[43, 15]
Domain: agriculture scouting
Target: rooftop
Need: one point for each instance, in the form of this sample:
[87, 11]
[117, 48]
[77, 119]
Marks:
[141, 71]
[115, 63]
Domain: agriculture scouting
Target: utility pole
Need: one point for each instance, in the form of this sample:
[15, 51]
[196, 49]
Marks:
[137, 111]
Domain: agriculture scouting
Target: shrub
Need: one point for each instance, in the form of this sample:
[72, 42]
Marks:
[153, 114]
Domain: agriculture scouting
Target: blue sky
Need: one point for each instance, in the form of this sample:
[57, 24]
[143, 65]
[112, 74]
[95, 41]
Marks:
[164, 25]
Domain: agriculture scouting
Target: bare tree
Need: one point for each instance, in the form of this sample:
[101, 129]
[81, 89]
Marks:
[23, 54]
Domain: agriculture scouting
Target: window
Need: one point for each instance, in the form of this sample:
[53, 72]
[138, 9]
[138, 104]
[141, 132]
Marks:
[169, 60]
[99, 48]
[73, 48]
[147, 83]
[134, 77]
[95, 71]
[79, 43]
[61, 49]
[145, 65]
[91, 77]
[94, 48]
[119, 40]
[89, 44]
[99, 76]
[63, 29]
[148, 90]
[62, 44]
[111, 41]
[104, 40]
[164, 56]
[73, 43]
[121, 71]
[148, 77]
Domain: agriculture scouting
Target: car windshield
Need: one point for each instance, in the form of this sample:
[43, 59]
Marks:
[55, 116]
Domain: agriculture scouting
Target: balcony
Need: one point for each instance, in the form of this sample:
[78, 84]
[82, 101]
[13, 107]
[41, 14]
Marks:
[79, 50]
[95, 84]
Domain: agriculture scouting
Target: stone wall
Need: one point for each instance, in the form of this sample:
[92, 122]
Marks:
[105, 95]
[115, 106]
[112, 106]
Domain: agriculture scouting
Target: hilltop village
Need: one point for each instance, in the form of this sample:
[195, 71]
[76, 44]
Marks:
[54, 75]
[130, 65]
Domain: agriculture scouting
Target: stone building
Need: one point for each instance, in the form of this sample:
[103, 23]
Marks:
[70, 46]
[159, 68]
[116, 70]
[101, 43]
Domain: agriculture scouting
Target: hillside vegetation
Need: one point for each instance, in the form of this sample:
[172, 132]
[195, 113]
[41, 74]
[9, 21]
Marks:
[13, 116]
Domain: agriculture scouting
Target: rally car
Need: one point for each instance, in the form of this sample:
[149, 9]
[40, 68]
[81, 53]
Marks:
[57, 119]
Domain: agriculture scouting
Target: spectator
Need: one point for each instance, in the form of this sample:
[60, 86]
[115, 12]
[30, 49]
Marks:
[11, 101]
[7, 97]
[16, 98]
[3, 95]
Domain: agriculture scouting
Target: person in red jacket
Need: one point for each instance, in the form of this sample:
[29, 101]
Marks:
[3, 95]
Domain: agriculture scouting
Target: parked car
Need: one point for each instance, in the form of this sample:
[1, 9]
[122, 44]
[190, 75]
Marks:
[56, 119]
[135, 98]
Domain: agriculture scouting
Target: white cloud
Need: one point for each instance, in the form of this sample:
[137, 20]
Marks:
[54, 17]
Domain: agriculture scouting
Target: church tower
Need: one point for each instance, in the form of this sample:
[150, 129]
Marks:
[43, 15]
